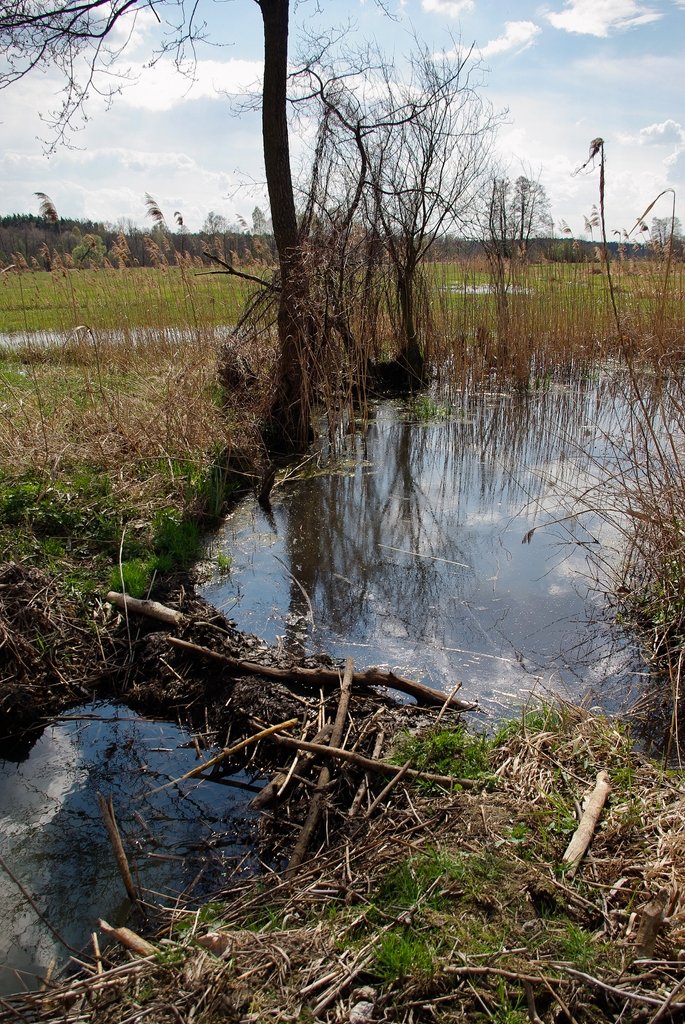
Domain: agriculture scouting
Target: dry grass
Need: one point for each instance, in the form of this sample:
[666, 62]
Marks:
[442, 907]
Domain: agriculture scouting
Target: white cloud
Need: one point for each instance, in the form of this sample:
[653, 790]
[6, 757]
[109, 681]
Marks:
[667, 133]
[600, 17]
[452, 8]
[162, 86]
[517, 36]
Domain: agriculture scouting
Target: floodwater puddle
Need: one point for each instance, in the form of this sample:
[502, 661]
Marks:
[411, 554]
[185, 836]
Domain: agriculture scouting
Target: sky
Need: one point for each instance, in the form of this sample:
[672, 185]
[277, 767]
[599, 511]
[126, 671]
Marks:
[565, 72]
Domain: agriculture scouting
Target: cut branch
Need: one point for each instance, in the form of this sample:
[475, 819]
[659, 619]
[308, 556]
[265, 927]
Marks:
[582, 837]
[382, 767]
[152, 609]
[328, 677]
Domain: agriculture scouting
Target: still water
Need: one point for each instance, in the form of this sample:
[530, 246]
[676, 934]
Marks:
[187, 836]
[404, 551]
[408, 552]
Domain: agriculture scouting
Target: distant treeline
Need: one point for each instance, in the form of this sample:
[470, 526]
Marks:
[31, 241]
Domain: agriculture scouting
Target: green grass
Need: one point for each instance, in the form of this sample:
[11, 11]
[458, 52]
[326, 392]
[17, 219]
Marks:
[446, 752]
[120, 300]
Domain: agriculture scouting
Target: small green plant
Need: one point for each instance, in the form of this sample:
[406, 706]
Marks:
[426, 408]
[446, 752]
[177, 541]
[578, 946]
[134, 577]
[400, 953]
[224, 562]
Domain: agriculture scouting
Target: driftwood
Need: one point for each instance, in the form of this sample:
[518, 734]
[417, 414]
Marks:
[317, 801]
[327, 677]
[582, 837]
[382, 767]
[152, 609]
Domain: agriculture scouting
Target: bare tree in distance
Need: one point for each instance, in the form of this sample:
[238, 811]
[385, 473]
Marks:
[408, 154]
[514, 212]
[426, 171]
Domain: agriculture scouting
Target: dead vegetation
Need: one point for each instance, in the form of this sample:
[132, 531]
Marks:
[429, 883]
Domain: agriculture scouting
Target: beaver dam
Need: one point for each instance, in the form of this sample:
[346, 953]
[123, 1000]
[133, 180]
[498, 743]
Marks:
[355, 817]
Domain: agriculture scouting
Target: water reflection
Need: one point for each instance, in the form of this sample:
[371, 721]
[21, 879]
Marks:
[411, 552]
[54, 842]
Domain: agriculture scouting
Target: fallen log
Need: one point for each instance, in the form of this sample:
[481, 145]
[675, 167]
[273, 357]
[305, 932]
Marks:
[382, 767]
[328, 677]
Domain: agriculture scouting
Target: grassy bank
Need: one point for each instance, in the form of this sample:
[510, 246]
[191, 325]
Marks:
[111, 452]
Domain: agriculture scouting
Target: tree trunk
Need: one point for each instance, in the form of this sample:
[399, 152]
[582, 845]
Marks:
[411, 357]
[288, 425]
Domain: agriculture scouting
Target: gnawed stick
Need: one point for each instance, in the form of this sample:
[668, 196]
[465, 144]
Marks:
[582, 837]
[152, 609]
[317, 801]
[107, 811]
[382, 767]
[652, 919]
[129, 939]
[327, 677]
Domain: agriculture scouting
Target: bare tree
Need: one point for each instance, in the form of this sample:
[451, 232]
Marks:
[428, 155]
[412, 153]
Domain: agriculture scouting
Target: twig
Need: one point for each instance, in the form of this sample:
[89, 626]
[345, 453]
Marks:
[32, 903]
[317, 800]
[388, 788]
[228, 752]
[624, 993]
[107, 811]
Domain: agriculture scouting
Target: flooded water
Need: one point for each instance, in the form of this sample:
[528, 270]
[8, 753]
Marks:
[55, 845]
[405, 552]
[409, 552]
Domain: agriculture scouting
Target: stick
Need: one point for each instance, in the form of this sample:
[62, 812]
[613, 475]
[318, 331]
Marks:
[375, 766]
[227, 752]
[276, 786]
[364, 784]
[651, 923]
[153, 609]
[317, 801]
[582, 837]
[129, 939]
[388, 789]
[329, 676]
[107, 811]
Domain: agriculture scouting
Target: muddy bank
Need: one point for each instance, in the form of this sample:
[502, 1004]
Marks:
[56, 652]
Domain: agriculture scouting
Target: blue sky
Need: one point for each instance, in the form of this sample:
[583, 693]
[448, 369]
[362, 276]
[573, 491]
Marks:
[566, 71]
